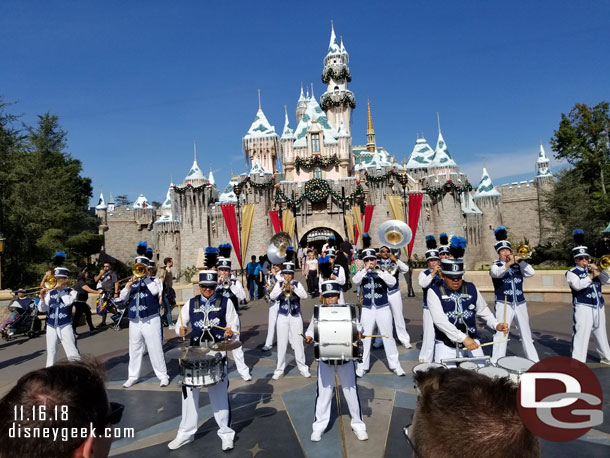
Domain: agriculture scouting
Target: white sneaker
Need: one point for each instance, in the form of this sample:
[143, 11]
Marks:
[399, 371]
[407, 345]
[605, 361]
[266, 348]
[305, 374]
[164, 382]
[276, 375]
[247, 377]
[130, 382]
[177, 443]
[227, 444]
[316, 436]
[361, 435]
[360, 372]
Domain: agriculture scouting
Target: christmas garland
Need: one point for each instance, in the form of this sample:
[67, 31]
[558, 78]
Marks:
[187, 187]
[336, 72]
[380, 178]
[316, 190]
[438, 192]
[330, 99]
[316, 161]
[255, 185]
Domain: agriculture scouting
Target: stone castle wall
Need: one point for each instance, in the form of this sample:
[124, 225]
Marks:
[521, 212]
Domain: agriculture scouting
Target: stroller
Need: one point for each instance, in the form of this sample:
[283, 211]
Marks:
[27, 324]
[115, 307]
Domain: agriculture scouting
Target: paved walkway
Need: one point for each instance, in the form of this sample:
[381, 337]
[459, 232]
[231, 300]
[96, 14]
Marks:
[273, 418]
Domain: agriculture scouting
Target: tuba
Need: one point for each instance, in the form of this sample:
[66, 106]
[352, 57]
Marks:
[394, 234]
[139, 270]
[276, 250]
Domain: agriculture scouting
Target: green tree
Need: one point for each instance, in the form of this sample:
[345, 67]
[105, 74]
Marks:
[122, 201]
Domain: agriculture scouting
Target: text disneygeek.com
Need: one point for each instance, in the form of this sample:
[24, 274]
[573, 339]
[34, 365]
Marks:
[66, 433]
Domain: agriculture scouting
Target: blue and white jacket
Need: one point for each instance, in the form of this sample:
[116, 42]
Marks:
[289, 305]
[402, 268]
[202, 313]
[425, 281]
[142, 298]
[58, 307]
[584, 290]
[374, 287]
[508, 282]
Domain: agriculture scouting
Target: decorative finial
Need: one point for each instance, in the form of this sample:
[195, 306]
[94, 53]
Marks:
[195, 150]
[301, 88]
[438, 120]
[259, 99]
[312, 96]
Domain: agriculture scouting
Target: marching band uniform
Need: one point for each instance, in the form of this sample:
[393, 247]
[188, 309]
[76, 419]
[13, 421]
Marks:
[236, 290]
[425, 280]
[327, 370]
[289, 322]
[508, 286]
[395, 300]
[454, 312]
[337, 271]
[218, 309]
[376, 310]
[144, 327]
[274, 306]
[588, 302]
[58, 306]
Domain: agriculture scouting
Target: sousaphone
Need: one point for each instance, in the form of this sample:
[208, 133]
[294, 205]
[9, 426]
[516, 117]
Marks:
[276, 250]
[394, 234]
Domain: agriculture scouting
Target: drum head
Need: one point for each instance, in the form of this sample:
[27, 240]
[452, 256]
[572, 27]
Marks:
[515, 364]
[493, 372]
[469, 366]
[422, 367]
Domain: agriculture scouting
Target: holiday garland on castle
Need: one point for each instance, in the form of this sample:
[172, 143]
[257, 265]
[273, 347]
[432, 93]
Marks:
[316, 161]
[438, 192]
[380, 178]
[182, 189]
[316, 190]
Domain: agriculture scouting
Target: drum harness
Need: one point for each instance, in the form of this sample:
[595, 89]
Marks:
[459, 311]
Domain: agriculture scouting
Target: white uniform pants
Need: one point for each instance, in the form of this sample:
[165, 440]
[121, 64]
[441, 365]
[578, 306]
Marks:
[426, 354]
[219, 400]
[587, 319]
[273, 309]
[519, 314]
[65, 335]
[326, 384]
[290, 326]
[238, 357]
[399, 318]
[442, 351]
[383, 318]
[146, 332]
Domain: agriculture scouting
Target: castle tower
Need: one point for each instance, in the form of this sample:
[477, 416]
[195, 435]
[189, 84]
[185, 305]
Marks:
[261, 143]
[338, 102]
[101, 207]
[543, 172]
[111, 204]
[301, 106]
[370, 130]
[288, 136]
[489, 200]
[195, 176]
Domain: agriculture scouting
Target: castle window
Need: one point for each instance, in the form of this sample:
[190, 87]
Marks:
[317, 173]
[336, 88]
[315, 143]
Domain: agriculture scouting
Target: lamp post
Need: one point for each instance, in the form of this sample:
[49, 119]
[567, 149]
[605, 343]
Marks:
[237, 189]
[2, 239]
[403, 179]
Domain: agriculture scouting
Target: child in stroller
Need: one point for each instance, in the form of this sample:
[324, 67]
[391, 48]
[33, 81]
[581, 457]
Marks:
[23, 318]
[108, 304]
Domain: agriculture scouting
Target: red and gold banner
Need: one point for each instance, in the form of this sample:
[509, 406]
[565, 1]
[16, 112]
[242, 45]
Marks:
[368, 216]
[228, 212]
[358, 220]
[276, 221]
[415, 201]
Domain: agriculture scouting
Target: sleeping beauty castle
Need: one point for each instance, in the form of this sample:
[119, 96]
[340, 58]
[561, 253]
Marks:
[313, 182]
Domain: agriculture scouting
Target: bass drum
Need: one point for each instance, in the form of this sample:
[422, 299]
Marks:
[335, 333]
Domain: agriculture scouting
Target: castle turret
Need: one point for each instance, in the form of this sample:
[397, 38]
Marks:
[337, 101]
[489, 200]
[111, 204]
[543, 172]
[301, 105]
[370, 130]
[261, 143]
[195, 176]
[287, 138]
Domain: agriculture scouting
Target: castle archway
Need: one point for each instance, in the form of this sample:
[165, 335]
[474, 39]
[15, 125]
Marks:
[318, 236]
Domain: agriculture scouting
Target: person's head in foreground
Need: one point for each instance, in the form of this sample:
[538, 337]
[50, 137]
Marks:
[460, 413]
[65, 396]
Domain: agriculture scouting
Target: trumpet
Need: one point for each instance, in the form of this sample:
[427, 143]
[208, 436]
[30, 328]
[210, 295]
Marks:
[226, 283]
[287, 289]
[524, 251]
[602, 263]
[139, 270]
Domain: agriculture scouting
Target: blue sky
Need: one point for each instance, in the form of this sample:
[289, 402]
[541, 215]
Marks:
[135, 83]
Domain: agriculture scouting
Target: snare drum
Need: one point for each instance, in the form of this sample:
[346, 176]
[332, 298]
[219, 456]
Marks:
[202, 368]
[493, 372]
[515, 365]
[335, 333]
[423, 367]
[469, 366]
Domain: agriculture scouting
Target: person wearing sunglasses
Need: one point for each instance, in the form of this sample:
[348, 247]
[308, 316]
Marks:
[454, 305]
[68, 397]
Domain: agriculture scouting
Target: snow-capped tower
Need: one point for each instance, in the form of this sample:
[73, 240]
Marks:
[301, 105]
[261, 143]
[543, 172]
[489, 200]
[195, 176]
[370, 131]
[111, 204]
[288, 137]
[338, 102]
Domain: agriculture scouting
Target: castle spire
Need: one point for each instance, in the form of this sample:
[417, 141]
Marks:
[370, 131]
[259, 99]
[333, 46]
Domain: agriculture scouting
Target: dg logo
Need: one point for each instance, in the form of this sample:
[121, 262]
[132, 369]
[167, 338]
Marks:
[209, 277]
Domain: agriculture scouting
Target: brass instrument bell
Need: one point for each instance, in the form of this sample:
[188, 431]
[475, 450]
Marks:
[139, 270]
[524, 251]
[276, 250]
[602, 263]
[287, 289]
[394, 234]
[50, 282]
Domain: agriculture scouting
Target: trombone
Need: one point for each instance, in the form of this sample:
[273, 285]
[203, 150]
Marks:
[139, 270]
[524, 251]
[602, 263]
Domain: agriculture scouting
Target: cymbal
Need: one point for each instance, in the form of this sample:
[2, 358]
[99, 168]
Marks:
[226, 345]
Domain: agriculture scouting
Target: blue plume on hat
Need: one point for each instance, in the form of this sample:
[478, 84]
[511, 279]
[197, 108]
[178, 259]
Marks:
[430, 242]
[224, 250]
[149, 253]
[211, 257]
[579, 237]
[366, 240]
[289, 254]
[500, 233]
[59, 258]
[141, 249]
[326, 268]
[444, 238]
[458, 247]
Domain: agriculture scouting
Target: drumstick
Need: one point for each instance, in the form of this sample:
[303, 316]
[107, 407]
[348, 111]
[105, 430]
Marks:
[375, 335]
[493, 343]
[180, 318]
[225, 329]
[301, 334]
[505, 321]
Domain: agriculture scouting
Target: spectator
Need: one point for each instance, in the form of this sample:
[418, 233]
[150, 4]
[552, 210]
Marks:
[300, 254]
[251, 271]
[20, 305]
[166, 276]
[260, 277]
[342, 260]
[107, 281]
[311, 274]
[347, 249]
[460, 413]
[73, 397]
[80, 304]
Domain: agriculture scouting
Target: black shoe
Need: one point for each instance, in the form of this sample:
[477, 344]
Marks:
[102, 326]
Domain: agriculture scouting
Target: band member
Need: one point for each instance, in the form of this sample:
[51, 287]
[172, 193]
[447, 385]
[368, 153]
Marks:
[327, 370]
[585, 281]
[443, 250]
[205, 311]
[289, 293]
[333, 272]
[376, 308]
[237, 290]
[431, 276]
[394, 297]
[142, 298]
[274, 276]
[454, 306]
[57, 303]
[507, 274]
